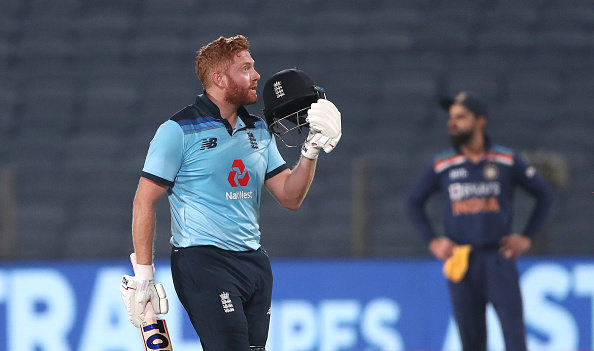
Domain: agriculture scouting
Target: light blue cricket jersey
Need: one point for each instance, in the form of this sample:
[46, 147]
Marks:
[216, 175]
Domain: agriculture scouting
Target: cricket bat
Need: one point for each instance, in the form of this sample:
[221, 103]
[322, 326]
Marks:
[155, 335]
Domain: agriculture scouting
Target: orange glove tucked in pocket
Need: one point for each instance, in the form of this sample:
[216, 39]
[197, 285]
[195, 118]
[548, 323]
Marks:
[456, 266]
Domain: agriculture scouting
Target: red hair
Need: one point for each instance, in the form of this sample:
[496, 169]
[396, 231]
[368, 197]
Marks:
[218, 55]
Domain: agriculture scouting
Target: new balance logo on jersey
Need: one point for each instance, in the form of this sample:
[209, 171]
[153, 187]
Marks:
[208, 143]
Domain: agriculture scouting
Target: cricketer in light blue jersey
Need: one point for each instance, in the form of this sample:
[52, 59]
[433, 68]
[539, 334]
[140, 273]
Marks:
[215, 175]
[212, 159]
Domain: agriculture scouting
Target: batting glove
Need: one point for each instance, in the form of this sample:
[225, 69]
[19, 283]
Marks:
[325, 129]
[138, 290]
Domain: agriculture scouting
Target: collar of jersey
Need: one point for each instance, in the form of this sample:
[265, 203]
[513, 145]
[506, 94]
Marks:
[203, 101]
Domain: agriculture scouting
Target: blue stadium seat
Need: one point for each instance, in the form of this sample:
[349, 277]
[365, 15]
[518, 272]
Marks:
[265, 42]
[572, 14]
[43, 46]
[532, 3]
[116, 7]
[64, 10]
[96, 240]
[210, 25]
[172, 9]
[38, 181]
[36, 158]
[506, 39]
[385, 43]
[572, 136]
[344, 21]
[456, 37]
[94, 150]
[9, 98]
[11, 9]
[335, 43]
[41, 227]
[406, 87]
[9, 28]
[166, 24]
[426, 62]
[533, 90]
[101, 34]
[503, 16]
[167, 92]
[111, 106]
[49, 107]
[214, 8]
[151, 45]
[482, 80]
[399, 16]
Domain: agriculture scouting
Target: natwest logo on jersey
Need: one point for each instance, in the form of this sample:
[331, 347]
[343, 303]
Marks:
[238, 176]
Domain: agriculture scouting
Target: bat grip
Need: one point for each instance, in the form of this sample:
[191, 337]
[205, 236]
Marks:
[149, 312]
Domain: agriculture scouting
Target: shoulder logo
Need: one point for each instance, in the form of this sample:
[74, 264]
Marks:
[252, 138]
[208, 143]
[458, 173]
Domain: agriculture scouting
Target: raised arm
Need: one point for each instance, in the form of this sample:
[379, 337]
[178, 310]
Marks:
[325, 130]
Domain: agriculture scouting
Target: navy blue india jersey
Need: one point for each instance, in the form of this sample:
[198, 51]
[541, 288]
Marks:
[478, 198]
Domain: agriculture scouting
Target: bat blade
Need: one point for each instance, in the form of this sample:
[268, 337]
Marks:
[155, 335]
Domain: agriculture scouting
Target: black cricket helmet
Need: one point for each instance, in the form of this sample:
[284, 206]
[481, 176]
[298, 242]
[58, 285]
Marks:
[287, 95]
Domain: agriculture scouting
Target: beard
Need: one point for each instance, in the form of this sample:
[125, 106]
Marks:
[460, 139]
[238, 95]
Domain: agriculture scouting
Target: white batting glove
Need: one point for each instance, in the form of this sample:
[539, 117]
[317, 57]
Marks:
[325, 129]
[142, 297]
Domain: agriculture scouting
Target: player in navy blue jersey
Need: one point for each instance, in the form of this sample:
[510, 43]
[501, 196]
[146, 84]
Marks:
[212, 159]
[476, 180]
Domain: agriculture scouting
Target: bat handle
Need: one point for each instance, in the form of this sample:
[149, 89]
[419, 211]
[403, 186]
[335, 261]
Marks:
[149, 312]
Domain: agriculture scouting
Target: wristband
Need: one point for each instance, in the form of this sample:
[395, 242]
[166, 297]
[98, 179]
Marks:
[145, 272]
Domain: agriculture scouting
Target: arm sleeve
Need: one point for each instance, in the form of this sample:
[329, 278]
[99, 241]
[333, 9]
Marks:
[527, 178]
[415, 203]
[276, 163]
[165, 154]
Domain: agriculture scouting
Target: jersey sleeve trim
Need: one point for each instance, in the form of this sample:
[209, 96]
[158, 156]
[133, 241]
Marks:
[276, 171]
[501, 154]
[443, 162]
[157, 179]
